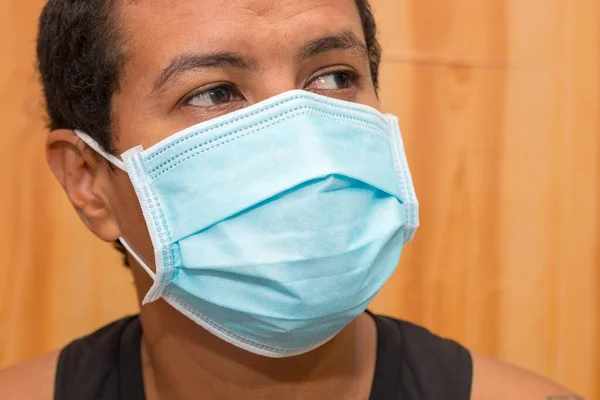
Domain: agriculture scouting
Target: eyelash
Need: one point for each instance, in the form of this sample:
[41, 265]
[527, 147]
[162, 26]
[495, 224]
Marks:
[353, 76]
[187, 99]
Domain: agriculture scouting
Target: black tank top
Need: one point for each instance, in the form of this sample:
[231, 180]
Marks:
[412, 364]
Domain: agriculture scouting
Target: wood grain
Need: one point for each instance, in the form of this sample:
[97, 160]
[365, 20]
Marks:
[57, 281]
[499, 103]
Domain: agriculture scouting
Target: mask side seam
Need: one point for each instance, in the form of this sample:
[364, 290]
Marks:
[406, 184]
[169, 250]
[160, 169]
[152, 204]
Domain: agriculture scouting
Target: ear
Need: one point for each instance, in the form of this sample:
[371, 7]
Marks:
[85, 178]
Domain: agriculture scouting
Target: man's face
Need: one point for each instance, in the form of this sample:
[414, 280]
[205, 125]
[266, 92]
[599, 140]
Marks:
[188, 61]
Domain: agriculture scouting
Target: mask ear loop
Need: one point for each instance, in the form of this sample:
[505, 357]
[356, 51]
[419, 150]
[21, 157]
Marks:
[138, 258]
[121, 165]
[94, 145]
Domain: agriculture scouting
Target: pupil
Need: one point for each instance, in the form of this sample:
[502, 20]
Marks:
[219, 95]
[342, 81]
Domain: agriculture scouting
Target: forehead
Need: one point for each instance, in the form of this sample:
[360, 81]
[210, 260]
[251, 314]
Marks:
[155, 30]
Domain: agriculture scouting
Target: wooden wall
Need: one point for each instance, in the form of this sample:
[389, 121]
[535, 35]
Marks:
[499, 103]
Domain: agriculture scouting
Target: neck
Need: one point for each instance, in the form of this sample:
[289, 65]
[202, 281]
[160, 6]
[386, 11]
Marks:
[181, 360]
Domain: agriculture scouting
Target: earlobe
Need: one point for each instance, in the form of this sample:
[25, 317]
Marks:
[80, 173]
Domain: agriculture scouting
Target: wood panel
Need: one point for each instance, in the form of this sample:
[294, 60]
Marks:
[499, 104]
[57, 281]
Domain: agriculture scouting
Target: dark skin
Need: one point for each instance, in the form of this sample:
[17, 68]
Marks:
[241, 52]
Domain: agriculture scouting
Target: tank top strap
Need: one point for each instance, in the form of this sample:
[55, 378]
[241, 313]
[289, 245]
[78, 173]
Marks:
[414, 364]
[105, 365]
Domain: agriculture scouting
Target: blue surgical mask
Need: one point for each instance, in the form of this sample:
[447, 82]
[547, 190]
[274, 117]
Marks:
[274, 227]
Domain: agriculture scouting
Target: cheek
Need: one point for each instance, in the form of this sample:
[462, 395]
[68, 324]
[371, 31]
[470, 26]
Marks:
[131, 219]
[135, 122]
[368, 97]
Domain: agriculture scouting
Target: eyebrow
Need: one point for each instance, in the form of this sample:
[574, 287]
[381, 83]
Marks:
[345, 40]
[187, 62]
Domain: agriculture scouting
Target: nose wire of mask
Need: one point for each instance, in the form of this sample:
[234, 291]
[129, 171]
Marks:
[278, 253]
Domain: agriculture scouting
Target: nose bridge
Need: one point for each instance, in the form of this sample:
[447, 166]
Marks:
[273, 79]
[278, 70]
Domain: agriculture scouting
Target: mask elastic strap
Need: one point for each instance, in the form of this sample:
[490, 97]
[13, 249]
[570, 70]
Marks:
[138, 258]
[94, 145]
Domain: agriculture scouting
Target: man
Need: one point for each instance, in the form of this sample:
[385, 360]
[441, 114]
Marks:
[259, 220]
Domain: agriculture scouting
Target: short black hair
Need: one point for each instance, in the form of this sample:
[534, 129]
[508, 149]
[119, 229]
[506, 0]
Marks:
[80, 58]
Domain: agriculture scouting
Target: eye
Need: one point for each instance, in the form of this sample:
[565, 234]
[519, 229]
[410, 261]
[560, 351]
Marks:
[334, 81]
[214, 96]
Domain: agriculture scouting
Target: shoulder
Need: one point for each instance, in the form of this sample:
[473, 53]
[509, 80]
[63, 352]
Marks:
[31, 380]
[61, 372]
[495, 380]
[424, 365]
